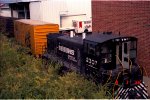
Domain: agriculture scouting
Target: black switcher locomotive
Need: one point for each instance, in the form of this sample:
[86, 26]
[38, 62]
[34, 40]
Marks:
[102, 57]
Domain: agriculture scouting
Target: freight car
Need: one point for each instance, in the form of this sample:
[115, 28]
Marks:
[7, 25]
[32, 34]
[104, 58]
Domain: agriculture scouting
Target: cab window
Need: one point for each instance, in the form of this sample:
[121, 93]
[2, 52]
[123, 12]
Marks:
[106, 54]
[91, 49]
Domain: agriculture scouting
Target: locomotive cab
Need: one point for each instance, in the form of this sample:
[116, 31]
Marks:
[109, 52]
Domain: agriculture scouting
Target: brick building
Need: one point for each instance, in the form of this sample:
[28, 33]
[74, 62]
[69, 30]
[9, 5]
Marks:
[127, 17]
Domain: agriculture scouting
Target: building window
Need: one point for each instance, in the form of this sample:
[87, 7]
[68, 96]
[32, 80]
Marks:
[22, 10]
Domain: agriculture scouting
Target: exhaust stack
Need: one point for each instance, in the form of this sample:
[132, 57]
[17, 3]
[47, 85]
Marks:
[71, 34]
[83, 35]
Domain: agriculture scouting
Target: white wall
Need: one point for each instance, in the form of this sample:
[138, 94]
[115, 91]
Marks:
[5, 12]
[66, 21]
[77, 10]
[79, 7]
[15, 14]
[35, 12]
[47, 10]
[51, 10]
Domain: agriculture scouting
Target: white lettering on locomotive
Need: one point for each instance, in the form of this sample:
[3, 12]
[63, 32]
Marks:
[72, 58]
[66, 50]
[91, 61]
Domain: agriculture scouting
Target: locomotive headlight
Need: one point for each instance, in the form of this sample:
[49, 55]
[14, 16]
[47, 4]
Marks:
[117, 40]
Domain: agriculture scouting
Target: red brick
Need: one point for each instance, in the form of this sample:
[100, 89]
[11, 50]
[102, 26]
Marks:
[130, 18]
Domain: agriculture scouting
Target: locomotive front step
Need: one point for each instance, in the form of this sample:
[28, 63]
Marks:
[136, 92]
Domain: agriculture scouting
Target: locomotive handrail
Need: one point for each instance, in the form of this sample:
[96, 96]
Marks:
[144, 70]
[117, 76]
[130, 65]
[120, 63]
[115, 84]
[109, 76]
[115, 97]
[140, 68]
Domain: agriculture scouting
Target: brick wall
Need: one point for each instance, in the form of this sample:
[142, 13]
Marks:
[127, 17]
